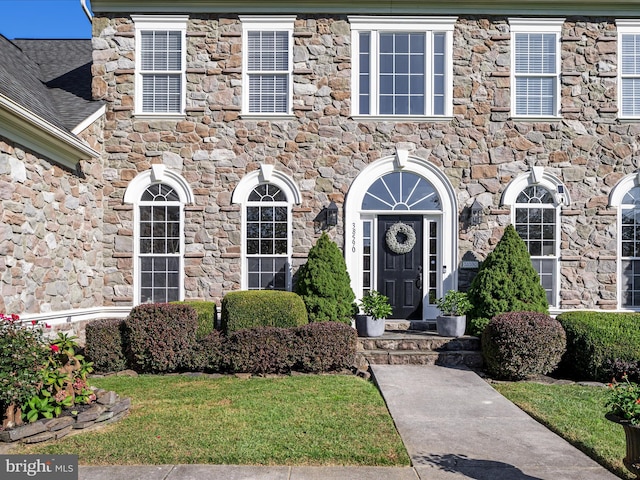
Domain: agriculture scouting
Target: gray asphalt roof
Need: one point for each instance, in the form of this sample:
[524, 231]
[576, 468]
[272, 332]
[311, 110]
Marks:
[51, 78]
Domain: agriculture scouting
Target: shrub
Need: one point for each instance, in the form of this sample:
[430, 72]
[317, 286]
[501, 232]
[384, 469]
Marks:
[262, 350]
[105, 344]
[207, 313]
[261, 308]
[506, 281]
[325, 347]
[160, 337]
[324, 284]
[475, 326]
[209, 354]
[518, 345]
[599, 344]
[23, 355]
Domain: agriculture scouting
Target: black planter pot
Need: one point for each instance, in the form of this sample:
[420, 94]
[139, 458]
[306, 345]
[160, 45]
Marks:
[632, 435]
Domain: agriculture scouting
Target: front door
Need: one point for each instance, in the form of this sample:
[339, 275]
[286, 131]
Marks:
[400, 275]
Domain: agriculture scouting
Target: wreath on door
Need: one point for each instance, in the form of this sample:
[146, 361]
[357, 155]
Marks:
[407, 234]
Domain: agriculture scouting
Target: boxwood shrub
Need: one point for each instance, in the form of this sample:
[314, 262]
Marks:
[518, 345]
[601, 345]
[161, 337]
[207, 314]
[105, 345]
[261, 308]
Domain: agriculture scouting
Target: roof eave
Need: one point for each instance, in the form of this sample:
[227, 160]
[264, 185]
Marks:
[24, 127]
[620, 8]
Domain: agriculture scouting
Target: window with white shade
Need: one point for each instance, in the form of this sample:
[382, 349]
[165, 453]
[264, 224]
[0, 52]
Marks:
[629, 68]
[160, 64]
[535, 67]
[402, 65]
[267, 64]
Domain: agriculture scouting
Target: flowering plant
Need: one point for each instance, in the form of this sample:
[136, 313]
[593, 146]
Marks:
[624, 400]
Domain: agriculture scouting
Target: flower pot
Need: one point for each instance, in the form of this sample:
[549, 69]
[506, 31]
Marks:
[451, 325]
[367, 326]
[632, 435]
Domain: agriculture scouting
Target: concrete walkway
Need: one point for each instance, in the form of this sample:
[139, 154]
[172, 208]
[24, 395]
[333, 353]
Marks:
[454, 425]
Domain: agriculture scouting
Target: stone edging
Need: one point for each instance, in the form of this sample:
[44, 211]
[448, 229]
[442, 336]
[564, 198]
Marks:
[108, 408]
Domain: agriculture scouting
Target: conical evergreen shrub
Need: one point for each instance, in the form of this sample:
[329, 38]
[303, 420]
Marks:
[506, 281]
[324, 284]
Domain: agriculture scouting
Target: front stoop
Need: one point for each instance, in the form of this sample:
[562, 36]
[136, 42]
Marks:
[420, 348]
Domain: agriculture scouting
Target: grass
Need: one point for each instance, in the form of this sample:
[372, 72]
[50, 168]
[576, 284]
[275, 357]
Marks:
[576, 413]
[300, 420]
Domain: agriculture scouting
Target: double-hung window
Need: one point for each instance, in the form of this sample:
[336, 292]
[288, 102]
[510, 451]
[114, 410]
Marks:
[160, 64]
[402, 66]
[267, 64]
[535, 66]
[629, 68]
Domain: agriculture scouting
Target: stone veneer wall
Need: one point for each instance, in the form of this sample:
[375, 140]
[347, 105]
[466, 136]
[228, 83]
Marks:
[481, 149]
[50, 232]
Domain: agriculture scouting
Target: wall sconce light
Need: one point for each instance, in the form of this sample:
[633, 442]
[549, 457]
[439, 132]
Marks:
[475, 213]
[331, 213]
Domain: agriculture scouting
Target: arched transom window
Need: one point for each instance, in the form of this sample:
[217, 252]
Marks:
[630, 248]
[267, 238]
[536, 223]
[401, 191]
[159, 244]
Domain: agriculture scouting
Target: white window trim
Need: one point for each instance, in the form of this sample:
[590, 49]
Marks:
[133, 194]
[540, 176]
[537, 25]
[266, 174]
[625, 27]
[159, 23]
[375, 25]
[270, 23]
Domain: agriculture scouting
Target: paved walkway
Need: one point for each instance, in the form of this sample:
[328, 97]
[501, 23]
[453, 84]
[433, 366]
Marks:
[454, 425]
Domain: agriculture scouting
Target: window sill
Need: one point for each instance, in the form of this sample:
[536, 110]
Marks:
[401, 118]
[267, 116]
[521, 118]
[629, 119]
[160, 116]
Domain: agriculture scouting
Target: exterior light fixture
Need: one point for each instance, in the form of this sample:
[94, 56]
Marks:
[331, 213]
[475, 213]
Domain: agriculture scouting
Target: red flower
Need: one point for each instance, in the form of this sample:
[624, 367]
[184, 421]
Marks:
[15, 317]
[33, 322]
[55, 348]
[638, 401]
[47, 325]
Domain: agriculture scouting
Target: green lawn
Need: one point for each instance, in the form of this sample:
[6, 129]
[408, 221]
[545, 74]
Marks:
[575, 413]
[299, 420]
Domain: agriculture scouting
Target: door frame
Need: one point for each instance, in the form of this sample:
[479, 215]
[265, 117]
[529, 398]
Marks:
[448, 225]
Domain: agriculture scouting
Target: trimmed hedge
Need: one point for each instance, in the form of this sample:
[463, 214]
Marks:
[105, 345]
[325, 347]
[518, 345]
[210, 354]
[313, 348]
[601, 345]
[161, 337]
[261, 308]
[207, 313]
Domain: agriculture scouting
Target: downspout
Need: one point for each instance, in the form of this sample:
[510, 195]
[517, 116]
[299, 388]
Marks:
[87, 12]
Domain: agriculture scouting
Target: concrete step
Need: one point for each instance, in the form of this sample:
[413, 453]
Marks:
[471, 359]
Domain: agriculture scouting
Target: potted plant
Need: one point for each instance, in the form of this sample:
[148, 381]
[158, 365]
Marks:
[624, 409]
[454, 307]
[375, 308]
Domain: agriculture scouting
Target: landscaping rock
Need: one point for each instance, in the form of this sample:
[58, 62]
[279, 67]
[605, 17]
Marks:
[120, 406]
[64, 432]
[23, 431]
[40, 437]
[107, 398]
[91, 414]
[55, 424]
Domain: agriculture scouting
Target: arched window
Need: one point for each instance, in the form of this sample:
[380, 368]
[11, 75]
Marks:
[267, 239]
[630, 248]
[401, 191]
[536, 223]
[535, 199]
[159, 244]
[158, 196]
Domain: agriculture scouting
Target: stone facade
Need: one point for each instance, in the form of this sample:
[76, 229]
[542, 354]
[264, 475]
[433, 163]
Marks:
[481, 149]
[50, 231]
